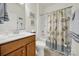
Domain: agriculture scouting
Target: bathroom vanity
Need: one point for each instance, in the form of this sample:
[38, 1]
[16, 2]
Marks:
[22, 45]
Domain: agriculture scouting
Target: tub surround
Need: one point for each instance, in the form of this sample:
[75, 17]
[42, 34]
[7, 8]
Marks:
[22, 44]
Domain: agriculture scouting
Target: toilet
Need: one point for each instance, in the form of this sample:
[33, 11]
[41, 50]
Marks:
[40, 44]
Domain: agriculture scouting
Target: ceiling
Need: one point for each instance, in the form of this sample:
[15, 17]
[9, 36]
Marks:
[44, 5]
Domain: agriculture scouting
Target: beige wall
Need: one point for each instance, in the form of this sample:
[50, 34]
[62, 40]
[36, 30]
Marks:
[30, 8]
[14, 11]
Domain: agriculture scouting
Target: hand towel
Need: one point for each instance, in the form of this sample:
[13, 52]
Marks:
[3, 13]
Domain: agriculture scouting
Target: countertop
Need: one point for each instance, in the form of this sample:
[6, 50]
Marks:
[12, 37]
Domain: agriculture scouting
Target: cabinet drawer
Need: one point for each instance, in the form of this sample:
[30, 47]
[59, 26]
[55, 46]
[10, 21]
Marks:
[19, 52]
[11, 46]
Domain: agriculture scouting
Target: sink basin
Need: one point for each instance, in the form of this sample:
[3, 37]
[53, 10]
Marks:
[4, 36]
[1, 35]
[13, 35]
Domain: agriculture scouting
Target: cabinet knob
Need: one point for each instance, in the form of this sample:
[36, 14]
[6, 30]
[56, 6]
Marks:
[23, 51]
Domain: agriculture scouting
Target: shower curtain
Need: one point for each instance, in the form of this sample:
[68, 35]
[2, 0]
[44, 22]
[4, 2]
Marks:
[58, 30]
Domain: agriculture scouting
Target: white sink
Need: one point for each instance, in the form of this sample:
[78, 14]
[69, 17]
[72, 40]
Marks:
[11, 36]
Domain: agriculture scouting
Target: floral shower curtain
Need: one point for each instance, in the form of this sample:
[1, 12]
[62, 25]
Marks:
[58, 29]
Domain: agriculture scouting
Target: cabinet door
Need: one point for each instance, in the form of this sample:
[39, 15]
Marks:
[18, 52]
[31, 49]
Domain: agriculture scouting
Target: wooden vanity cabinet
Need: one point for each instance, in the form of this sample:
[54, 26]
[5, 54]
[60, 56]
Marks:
[21, 47]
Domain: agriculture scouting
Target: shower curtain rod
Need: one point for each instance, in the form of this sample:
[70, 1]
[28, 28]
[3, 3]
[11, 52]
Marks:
[56, 10]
